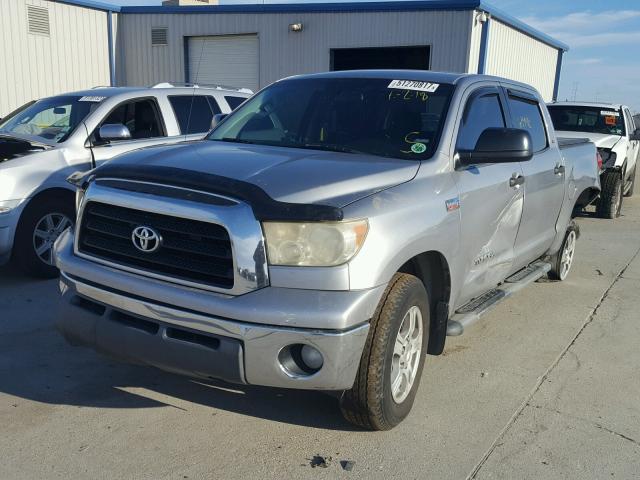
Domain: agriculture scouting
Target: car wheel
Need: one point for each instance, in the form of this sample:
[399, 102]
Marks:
[610, 203]
[40, 226]
[393, 358]
[631, 184]
[563, 260]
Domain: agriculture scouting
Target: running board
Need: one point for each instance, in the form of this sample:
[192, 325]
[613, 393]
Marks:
[471, 312]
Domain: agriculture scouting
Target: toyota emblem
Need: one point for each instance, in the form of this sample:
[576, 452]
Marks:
[146, 239]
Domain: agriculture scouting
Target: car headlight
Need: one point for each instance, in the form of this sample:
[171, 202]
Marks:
[608, 156]
[317, 244]
[7, 205]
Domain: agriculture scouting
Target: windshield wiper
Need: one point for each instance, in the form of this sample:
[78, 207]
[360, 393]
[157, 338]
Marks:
[232, 140]
[331, 147]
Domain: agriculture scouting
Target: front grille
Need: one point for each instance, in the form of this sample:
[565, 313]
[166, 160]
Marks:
[190, 250]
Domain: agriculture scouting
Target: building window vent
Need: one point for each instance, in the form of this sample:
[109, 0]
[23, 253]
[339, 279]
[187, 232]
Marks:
[38, 20]
[159, 36]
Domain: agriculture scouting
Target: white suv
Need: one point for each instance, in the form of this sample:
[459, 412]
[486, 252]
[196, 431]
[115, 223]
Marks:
[612, 128]
[45, 141]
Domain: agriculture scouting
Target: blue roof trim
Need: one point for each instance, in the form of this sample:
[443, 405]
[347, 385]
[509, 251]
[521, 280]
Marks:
[521, 26]
[108, 7]
[313, 7]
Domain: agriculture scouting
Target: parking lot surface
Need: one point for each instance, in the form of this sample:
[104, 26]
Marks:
[545, 386]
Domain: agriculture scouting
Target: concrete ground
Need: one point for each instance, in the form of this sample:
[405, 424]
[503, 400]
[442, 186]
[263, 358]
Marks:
[546, 386]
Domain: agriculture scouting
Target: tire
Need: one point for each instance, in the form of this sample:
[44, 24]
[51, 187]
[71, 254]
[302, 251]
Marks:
[50, 216]
[610, 203]
[562, 261]
[632, 184]
[373, 403]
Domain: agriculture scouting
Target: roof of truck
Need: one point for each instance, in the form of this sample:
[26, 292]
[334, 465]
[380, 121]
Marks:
[616, 106]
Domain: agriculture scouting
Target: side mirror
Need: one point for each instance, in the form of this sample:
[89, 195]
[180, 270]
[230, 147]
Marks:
[499, 145]
[635, 135]
[217, 118]
[114, 131]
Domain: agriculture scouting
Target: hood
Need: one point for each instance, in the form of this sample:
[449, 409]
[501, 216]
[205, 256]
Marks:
[600, 139]
[285, 174]
[11, 148]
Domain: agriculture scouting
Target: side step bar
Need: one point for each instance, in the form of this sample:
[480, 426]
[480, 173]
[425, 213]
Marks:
[471, 312]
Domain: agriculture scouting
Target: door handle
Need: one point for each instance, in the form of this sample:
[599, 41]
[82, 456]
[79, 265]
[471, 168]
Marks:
[516, 180]
[559, 169]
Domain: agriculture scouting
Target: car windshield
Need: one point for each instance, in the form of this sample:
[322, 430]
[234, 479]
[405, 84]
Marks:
[383, 117]
[607, 121]
[51, 119]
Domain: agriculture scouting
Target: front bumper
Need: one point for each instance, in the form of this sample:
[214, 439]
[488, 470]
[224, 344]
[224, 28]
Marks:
[8, 225]
[192, 340]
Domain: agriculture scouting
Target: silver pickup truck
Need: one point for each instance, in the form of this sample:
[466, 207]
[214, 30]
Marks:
[327, 234]
[43, 142]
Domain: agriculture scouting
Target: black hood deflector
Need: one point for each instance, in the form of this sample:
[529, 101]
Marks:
[264, 207]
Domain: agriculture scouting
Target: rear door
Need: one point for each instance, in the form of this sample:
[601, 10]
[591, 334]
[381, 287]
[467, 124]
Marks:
[490, 207]
[194, 114]
[544, 179]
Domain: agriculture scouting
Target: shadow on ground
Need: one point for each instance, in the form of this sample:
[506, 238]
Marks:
[37, 364]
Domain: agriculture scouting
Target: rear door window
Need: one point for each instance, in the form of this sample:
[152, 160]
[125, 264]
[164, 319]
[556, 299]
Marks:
[481, 112]
[526, 115]
[194, 112]
[234, 102]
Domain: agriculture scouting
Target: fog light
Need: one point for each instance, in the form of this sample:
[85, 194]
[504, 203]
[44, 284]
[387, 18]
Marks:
[298, 360]
[311, 357]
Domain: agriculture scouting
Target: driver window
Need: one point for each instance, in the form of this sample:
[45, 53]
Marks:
[481, 113]
[141, 117]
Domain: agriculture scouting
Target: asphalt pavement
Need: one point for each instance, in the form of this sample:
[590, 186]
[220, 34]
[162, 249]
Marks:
[546, 386]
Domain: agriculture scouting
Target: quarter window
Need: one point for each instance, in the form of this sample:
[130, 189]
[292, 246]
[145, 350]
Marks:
[483, 112]
[194, 112]
[526, 115]
[234, 102]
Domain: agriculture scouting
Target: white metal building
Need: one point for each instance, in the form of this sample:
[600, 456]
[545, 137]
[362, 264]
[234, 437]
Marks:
[74, 44]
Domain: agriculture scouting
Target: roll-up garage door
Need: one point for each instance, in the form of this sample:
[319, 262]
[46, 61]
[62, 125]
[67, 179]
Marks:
[224, 60]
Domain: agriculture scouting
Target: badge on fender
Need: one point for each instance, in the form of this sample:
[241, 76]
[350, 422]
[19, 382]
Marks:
[452, 204]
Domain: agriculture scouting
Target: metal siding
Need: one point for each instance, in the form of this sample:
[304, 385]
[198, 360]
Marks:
[518, 56]
[283, 53]
[474, 45]
[74, 56]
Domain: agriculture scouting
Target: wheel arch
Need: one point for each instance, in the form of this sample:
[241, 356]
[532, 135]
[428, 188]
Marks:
[53, 192]
[432, 268]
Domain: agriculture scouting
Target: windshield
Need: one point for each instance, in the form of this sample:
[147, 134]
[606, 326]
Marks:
[52, 119]
[587, 119]
[399, 119]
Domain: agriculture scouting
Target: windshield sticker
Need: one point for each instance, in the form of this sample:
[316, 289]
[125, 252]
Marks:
[610, 120]
[418, 147]
[414, 85]
[92, 98]
[606, 113]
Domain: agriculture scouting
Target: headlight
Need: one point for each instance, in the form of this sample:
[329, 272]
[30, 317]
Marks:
[319, 244]
[7, 205]
[608, 156]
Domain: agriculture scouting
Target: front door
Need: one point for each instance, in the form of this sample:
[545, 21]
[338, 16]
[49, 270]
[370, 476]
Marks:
[490, 202]
[544, 180]
[143, 119]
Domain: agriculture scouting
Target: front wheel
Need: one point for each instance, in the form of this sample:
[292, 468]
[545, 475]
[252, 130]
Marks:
[562, 261]
[393, 357]
[610, 203]
[40, 226]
